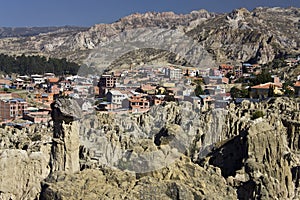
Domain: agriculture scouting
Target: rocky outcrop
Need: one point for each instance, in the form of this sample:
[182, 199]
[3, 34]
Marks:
[24, 161]
[259, 161]
[22, 172]
[76, 46]
[150, 141]
[7, 32]
[180, 180]
[65, 147]
[257, 36]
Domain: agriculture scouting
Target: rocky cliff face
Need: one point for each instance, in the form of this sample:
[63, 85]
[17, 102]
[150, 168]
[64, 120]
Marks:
[7, 32]
[77, 45]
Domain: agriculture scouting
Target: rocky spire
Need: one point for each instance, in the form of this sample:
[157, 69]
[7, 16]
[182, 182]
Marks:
[65, 148]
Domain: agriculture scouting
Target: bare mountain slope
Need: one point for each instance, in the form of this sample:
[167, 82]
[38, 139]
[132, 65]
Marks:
[257, 36]
[239, 36]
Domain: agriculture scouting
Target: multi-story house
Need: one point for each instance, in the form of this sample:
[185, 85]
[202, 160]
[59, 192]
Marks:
[18, 83]
[45, 97]
[238, 71]
[215, 80]
[214, 72]
[196, 101]
[225, 69]
[36, 115]
[173, 73]
[12, 108]
[139, 103]
[105, 83]
[5, 83]
[116, 97]
[251, 68]
[262, 91]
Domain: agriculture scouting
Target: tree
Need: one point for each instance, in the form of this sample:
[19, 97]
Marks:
[264, 77]
[198, 90]
[288, 88]
[239, 93]
[257, 114]
[35, 64]
[271, 91]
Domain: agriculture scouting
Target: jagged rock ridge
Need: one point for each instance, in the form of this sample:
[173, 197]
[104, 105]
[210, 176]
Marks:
[256, 36]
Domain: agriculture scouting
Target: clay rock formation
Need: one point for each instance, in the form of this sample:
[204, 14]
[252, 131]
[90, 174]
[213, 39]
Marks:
[24, 161]
[149, 141]
[259, 161]
[180, 180]
[218, 154]
[65, 148]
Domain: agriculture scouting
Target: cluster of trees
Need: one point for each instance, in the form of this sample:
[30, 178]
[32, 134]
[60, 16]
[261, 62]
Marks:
[239, 93]
[198, 90]
[261, 78]
[26, 65]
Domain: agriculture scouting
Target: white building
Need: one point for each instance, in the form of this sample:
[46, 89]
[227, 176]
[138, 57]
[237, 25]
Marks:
[116, 97]
[173, 73]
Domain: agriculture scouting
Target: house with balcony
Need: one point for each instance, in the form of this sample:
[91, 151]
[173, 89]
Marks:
[138, 103]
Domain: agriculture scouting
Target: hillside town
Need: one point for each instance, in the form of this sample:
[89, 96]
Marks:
[25, 100]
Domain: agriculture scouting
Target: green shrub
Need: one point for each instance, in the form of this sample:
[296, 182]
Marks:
[257, 114]
[36, 138]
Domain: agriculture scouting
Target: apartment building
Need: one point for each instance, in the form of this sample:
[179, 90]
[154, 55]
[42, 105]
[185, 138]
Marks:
[173, 73]
[12, 108]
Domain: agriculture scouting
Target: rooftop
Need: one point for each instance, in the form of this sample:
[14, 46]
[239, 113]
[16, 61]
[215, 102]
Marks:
[267, 85]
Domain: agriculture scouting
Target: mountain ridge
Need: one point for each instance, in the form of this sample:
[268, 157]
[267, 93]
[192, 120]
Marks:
[6, 32]
[257, 36]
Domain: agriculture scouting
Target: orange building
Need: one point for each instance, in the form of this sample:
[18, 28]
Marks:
[44, 97]
[225, 69]
[139, 103]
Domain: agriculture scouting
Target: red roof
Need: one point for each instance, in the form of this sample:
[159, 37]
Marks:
[266, 86]
[297, 84]
[53, 80]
